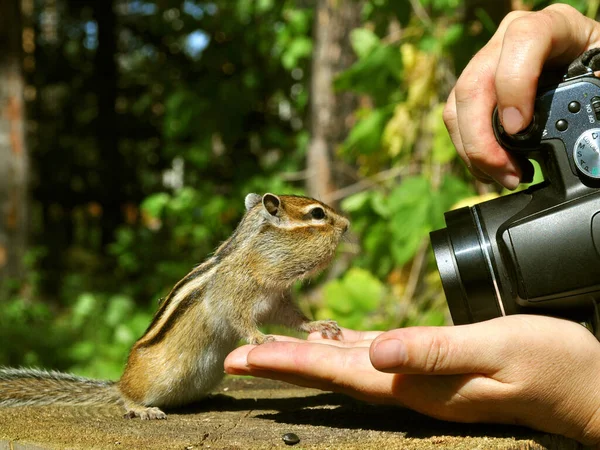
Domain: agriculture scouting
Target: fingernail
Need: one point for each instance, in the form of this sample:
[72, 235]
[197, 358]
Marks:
[512, 120]
[236, 363]
[509, 181]
[388, 354]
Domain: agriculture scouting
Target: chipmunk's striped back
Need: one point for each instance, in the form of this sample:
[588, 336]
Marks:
[188, 290]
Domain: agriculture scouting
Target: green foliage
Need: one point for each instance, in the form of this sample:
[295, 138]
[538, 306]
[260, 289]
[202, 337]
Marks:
[365, 136]
[377, 72]
[106, 328]
[93, 335]
[356, 300]
[25, 326]
[394, 224]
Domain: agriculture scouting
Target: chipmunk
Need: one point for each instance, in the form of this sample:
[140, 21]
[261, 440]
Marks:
[245, 283]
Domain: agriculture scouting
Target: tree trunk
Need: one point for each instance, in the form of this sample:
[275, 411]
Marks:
[13, 152]
[112, 164]
[330, 112]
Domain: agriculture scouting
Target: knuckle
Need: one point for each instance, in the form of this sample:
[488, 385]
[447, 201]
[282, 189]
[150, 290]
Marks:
[538, 23]
[514, 15]
[515, 77]
[475, 79]
[486, 159]
[522, 29]
[449, 115]
[466, 88]
[562, 9]
[437, 353]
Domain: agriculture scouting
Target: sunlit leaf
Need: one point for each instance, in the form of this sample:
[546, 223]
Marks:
[155, 204]
[363, 41]
[365, 136]
[355, 202]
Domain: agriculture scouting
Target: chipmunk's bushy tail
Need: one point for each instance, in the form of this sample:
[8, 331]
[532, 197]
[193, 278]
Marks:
[23, 387]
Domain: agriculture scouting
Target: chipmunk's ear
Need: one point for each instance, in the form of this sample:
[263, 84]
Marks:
[271, 203]
[251, 201]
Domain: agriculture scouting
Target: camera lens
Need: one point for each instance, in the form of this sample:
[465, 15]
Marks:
[464, 258]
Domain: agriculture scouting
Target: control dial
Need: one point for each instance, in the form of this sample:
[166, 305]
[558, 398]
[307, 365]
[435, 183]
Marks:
[586, 153]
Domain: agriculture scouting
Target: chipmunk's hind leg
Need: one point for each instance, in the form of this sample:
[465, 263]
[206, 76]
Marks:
[143, 412]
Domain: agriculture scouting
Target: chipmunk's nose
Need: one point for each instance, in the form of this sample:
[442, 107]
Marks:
[345, 224]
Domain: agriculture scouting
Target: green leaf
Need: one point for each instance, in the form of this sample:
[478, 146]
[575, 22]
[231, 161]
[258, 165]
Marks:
[155, 204]
[183, 200]
[442, 150]
[263, 6]
[365, 136]
[300, 47]
[363, 41]
[82, 350]
[84, 307]
[453, 34]
[486, 20]
[118, 311]
[336, 298]
[454, 189]
[124, 335]
[433, 318]
[355, 202]
[363, 288]
[380, 204]
[378, 73]
[355, 295]
[409, 192]
[299, 20]
[376, 237]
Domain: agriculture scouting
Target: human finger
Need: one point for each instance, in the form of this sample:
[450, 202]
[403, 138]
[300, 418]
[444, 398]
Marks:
[475, 101]
[553, 36]
[338, 369]
[451, 122]
[475, 348]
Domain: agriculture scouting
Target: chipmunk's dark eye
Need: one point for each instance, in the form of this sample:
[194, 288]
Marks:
[317, 213]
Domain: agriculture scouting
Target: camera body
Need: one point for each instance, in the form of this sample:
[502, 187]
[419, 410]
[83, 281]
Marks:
[535, 251]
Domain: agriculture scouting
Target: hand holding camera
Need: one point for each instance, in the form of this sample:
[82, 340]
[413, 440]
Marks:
[536, 251]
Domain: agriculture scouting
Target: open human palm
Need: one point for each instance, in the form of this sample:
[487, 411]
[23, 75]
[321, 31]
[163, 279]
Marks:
[536, 371]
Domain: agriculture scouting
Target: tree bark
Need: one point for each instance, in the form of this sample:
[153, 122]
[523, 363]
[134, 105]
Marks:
[112, 165]
[13, 151]
[330, 112]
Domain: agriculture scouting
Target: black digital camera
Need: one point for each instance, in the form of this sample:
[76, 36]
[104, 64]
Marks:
[536, 251]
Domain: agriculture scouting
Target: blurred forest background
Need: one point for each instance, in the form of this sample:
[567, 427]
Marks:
[131, 130]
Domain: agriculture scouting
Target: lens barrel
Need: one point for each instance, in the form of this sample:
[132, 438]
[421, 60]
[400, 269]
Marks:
[465, 262]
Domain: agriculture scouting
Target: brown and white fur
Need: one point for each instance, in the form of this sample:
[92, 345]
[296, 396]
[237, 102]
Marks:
[246, 283]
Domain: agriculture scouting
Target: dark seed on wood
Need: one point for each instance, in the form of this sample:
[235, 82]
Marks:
[290, 438]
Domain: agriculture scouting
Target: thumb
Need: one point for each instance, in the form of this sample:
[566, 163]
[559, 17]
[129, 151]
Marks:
[476, 348]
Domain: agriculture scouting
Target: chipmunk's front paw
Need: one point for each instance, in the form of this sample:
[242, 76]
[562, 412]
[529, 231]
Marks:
[145, 413]
[260, 339]
[328, 328]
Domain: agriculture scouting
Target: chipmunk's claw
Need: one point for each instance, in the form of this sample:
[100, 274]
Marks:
[261, 339]
[150, 413]
[329, 329]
